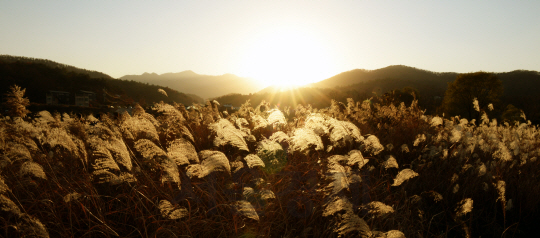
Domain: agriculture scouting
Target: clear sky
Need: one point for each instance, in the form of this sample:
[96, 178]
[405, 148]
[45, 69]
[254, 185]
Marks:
[286, 42]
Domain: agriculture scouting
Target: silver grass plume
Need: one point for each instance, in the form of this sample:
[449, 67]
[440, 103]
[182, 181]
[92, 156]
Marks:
[276, 118]
[268, 146]
[372, 145]
[304, 139]
[245, 209]
[182, 152]
[33, 170]
[3, 186]
[355, 157]
[170, 212]
[152, 153]
[279, 137]
[58, 139]
[253, 161]
[211, 161]
[225, 133]
[258, 122]
[390, 163]
[378, 209]
[15, 151]
[140, 128]
[403, 176]
[464, 206]
[120, 153]
[317, 123]
[162, 92]
[347, 220]
[102, 162]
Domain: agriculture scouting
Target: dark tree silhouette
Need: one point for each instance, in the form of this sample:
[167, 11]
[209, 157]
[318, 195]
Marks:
[459, 97]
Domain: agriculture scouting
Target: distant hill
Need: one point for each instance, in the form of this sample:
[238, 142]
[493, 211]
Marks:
[206, 86]
[39, 76]
[395, 71]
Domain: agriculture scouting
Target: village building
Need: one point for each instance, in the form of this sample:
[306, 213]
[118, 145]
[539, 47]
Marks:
[85, 98]
[57, 97]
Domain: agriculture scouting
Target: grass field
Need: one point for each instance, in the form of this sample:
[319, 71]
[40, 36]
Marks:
[355, 169]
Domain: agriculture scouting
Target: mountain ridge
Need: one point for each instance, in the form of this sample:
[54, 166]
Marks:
[362, 75]
[205, 86]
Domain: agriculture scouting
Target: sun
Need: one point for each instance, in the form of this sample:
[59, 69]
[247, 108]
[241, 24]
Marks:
[286, 58]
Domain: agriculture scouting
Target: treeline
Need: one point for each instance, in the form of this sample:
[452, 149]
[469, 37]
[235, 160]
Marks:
[39, 79]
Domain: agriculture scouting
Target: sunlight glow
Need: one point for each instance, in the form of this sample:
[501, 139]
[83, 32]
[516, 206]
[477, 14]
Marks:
[287, 58]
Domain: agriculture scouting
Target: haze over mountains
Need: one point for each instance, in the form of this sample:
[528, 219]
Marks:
[206, 86]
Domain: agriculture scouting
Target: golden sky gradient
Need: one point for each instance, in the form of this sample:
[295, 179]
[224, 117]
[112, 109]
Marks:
[275, 42]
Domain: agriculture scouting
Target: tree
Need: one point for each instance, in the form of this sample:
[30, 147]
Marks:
[513, 114]
[16, 103]
[459, 97]
[397, 96]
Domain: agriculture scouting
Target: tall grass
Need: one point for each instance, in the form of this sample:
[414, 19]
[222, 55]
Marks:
[355, 169]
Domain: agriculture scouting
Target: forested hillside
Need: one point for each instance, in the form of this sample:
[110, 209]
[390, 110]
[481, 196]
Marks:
[52, 64]
[38, 78]
[395, 71]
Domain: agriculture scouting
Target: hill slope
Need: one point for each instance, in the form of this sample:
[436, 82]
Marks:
[206, 86]
[39, 76]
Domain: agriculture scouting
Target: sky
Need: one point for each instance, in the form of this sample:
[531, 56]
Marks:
[276, 42]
